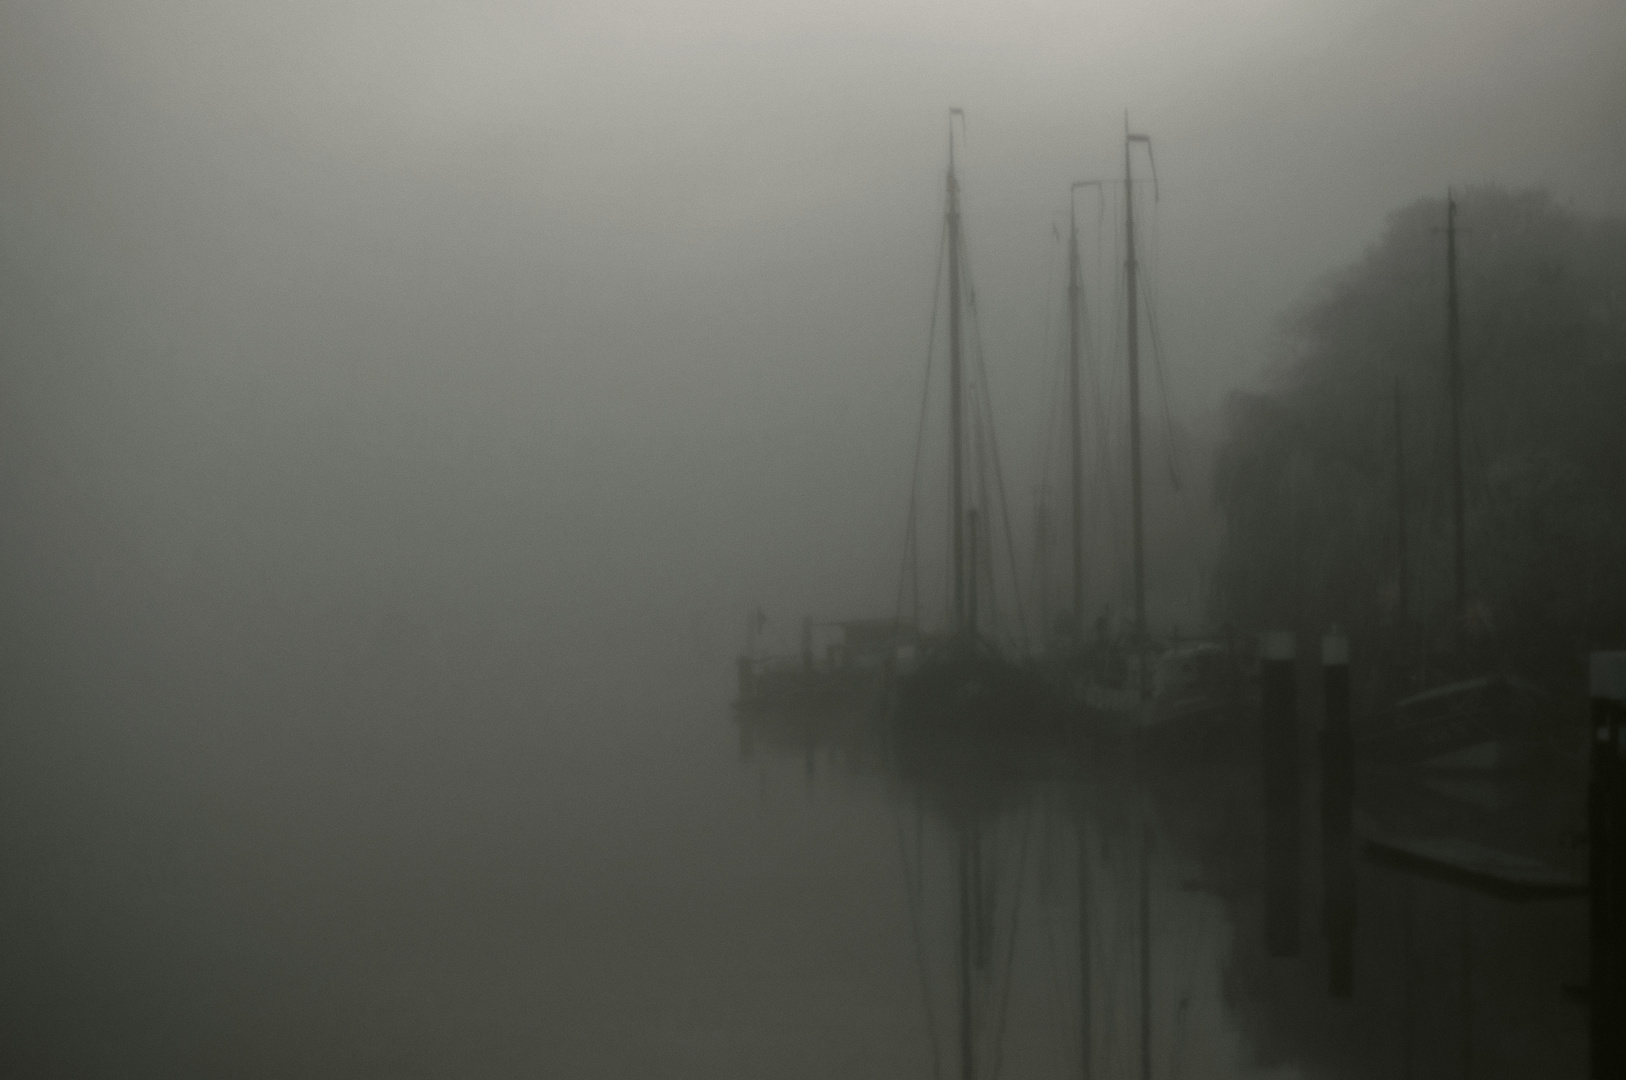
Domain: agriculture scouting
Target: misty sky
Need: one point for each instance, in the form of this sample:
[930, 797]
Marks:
[641, 290]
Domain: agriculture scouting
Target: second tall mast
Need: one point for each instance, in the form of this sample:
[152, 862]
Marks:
[1132, 337]
[956, 408]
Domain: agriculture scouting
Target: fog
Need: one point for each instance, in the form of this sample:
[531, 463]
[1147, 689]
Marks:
[403, 407]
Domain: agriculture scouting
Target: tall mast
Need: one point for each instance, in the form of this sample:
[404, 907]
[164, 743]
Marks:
[1133, 337]
[1075, 287]
[956, 409]
[1454, 377]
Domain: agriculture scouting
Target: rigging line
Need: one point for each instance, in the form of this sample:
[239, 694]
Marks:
[1114, 339]
[1005, 522]
[1056, 393]
[982, 427]
[1102, 522]
[976, 555]
[1172, 446]
[909, 572]
[1052, 392]
[1090, 572]
[1049, 284]
[913, 892]
[1112, 429]
[1051, 439]
[911, 553]
[999, 472]
[1010, 951]
[983, 554]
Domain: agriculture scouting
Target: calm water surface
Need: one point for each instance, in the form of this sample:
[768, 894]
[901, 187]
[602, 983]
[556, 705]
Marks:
[436, 863]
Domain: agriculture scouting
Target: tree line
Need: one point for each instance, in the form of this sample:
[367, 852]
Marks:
[1333, 481]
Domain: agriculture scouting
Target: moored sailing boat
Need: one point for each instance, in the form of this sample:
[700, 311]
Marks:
[965, 707]
[1107, 672]
[968, 726]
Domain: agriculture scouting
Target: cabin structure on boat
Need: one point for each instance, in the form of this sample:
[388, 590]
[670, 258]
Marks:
[840, 663]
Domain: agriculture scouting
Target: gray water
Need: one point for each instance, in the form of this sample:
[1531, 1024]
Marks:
[396, 868]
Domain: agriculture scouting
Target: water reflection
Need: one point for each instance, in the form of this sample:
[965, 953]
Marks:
[1030, 882]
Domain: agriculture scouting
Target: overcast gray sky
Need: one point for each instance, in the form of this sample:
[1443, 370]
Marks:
[679, 256]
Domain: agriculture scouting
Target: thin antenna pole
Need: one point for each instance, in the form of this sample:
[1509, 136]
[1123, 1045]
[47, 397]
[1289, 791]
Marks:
[1454, 376]
[956, 407]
